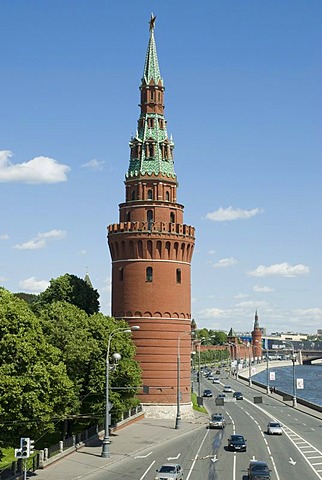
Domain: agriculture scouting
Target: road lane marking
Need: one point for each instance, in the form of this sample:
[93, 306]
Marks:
[174, 458]
[147, 470]
[144, 456]
[275, 469]
[197, 454]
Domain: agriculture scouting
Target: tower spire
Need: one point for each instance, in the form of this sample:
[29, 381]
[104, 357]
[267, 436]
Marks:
[151, 67]
[151, 149]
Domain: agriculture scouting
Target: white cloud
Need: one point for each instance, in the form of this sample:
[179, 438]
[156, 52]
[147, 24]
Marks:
[33, 285]
[259, 289]
[225, 262]
[3, 279]
[5, 236]
[229, 214]
[211, 313]
[37, 170]
[251, 304]
[94, 164]
[241, 296]
[82, 252]
[280, 270]
[40, 241]
[211, 252]
[312, 313]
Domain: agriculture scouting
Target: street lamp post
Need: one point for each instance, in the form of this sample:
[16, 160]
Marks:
[293, 370]
[178, 417]
[106, 440]
[267, 373]
[249, 366]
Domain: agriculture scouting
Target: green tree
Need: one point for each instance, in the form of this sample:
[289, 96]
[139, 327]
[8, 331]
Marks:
[82, 341]
[65, 326]
[71, 289]
[125, 378]
[27, 297]
[35, 390]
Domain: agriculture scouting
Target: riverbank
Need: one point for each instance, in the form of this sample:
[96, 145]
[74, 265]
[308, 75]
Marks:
[285, 397]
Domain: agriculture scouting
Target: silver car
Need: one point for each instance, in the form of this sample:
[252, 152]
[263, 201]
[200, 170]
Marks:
[169, 471]
[274, 428]
[217, 420]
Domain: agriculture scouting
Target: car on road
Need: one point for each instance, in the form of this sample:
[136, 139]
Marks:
[217, 420]
[238, 395]
[258, 470]
[237, 443]
[274, 428]
[221, 395]
[227, 389]
[169, 471]
[216, 380]
[207, 393]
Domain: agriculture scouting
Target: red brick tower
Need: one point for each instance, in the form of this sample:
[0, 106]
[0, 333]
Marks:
[151, 250]
[256, 338]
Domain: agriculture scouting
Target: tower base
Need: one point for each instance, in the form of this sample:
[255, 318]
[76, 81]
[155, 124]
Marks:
[168, 411]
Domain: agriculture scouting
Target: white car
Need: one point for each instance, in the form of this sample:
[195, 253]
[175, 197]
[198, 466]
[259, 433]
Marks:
[169, 471]
[274, 428]
[216, 380]
[228, 389]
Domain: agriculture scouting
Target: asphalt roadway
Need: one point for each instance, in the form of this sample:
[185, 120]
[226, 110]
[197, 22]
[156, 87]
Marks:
[129, 442]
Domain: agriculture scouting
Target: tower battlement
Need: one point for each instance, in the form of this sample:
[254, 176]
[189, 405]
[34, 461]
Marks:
[156, 227]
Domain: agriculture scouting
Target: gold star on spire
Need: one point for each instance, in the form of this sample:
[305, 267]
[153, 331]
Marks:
[152, 22]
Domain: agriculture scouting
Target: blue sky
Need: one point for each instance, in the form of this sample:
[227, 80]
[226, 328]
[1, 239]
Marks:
[243, 102]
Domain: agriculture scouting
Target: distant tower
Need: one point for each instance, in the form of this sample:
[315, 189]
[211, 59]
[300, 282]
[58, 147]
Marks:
[151, 250]
[233, 344]
[88, 280]
[257, 338]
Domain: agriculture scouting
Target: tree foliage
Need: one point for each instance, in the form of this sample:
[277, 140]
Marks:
[35, 390]
[211, 337]
[71, 289]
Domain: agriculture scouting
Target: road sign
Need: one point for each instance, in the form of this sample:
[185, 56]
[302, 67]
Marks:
[299, 383]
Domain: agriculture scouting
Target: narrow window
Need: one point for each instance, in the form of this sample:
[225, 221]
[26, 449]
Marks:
[152, 95]
[167, 196]
[178, 275]
[151, 152]
[172, 217]
[150, 194]
[149, 274]
[133, 195]
[149, 217]
[128, 217]
[121, 274]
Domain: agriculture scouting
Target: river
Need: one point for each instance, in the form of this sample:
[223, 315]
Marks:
[311, 375]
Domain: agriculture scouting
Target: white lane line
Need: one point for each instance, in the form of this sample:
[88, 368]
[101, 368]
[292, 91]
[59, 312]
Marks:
[318, 456]
[147, 470]
[269, 451]
[276, 472]
[234, 468]
[196, 456]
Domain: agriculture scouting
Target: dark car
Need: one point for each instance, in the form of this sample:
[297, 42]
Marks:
[258, 470]
[238, 395]
[207, 393]
[237, 443]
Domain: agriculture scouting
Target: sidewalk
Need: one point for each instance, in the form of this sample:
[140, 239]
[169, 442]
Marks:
[127, 442]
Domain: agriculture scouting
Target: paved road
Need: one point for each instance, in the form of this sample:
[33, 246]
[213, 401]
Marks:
[137, 450]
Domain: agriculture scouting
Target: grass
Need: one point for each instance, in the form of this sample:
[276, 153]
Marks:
[195, 404]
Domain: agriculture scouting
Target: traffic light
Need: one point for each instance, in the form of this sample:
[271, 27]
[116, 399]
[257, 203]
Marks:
[24, 447]
[31, 447]
[18, 452]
